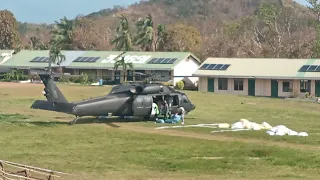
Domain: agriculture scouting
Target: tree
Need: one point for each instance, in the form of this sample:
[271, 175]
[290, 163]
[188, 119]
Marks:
[125, 66]
[36, 44]
[147, 37]
[9, 34]
[180, 37]
[275, 30]
[63, 33]
[88, 35]
[123, 39]
[315, 8]
[55, 56]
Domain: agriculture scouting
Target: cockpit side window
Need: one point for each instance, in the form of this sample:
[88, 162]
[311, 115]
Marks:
[185, 99]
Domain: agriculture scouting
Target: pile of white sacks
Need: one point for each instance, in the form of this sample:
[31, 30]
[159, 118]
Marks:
[279, 130]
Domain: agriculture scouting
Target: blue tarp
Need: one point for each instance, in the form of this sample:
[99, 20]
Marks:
[173, 120]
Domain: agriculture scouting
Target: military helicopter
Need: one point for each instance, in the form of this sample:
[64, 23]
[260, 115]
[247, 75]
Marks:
[123, 100]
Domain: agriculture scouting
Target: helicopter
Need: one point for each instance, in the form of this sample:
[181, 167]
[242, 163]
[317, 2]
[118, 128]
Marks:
[123, 100]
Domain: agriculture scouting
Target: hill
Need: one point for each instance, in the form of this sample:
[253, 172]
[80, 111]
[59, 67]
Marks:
[223, 27]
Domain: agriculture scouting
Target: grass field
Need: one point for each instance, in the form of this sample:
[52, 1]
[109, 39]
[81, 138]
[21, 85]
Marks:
[93, 149]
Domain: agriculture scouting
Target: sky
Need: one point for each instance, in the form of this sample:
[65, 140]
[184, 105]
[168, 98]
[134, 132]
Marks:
[48, 11]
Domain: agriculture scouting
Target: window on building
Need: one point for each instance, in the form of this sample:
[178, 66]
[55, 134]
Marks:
[238, 84]
[222, 84]
[305, 86]
[164, 75]
[287, 86]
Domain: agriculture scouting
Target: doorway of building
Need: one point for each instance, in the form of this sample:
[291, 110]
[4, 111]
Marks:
[251, 87]
[210, 84]
[274, 88]
[129, 75]
[317, 90]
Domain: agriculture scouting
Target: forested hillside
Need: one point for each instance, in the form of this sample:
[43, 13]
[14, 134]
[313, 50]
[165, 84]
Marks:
[228, 28]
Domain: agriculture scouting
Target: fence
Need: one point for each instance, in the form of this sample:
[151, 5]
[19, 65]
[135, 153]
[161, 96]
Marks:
[15, 171]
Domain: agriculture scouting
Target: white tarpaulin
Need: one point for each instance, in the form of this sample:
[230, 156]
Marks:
[279, 130]
[245, 125]
[282, 130]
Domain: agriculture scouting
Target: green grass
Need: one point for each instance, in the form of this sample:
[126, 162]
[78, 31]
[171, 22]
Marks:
[120, 151]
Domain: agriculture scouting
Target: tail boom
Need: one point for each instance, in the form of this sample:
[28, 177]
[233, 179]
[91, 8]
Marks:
[52, 106]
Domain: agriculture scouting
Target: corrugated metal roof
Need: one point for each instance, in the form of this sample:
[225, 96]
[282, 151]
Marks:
[260, 68]
[22, 58]
[6, 51]
[70, 56]
[139, 59]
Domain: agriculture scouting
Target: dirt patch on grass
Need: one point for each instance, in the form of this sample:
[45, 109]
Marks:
[215, 137]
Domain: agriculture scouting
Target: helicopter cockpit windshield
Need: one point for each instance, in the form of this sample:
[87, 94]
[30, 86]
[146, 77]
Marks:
[185, 99]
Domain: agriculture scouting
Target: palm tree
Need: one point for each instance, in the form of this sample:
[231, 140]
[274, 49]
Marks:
[145, 34]
[55, 56]
[147, 38]
[63, 32]
[123, 39]
[161, 34]
[125, 66]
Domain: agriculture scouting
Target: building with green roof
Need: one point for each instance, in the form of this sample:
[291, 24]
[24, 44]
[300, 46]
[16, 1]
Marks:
[4, 56]
[174, 66]
[260, 77]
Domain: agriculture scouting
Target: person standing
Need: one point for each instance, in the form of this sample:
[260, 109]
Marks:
[155, 110]
[181, 112]
[165, 109]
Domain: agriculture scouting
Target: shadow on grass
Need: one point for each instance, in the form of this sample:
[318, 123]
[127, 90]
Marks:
[107, 121]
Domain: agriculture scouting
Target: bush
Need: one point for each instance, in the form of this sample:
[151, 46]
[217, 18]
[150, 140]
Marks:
[34, 77]
[180, 85]
[14, 75]
[64, 79]
[81, 79]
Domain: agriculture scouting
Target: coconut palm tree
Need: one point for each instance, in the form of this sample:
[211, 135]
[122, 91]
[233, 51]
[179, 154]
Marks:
[55, 56]
[161, 34]
[123, 39]
[125, 66]
[147, 38]
[63, 32]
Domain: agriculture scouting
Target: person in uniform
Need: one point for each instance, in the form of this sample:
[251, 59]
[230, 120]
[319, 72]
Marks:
[155, 110]
[165, 109]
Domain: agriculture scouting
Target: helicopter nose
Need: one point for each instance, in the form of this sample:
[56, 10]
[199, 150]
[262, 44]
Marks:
[193, 106]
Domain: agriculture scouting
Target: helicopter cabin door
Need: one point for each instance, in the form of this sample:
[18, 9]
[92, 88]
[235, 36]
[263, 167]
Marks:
[174, 100]
[142, 105]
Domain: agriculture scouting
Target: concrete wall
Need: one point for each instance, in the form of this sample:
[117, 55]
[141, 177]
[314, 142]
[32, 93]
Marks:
[295, 88]
[203, 86]
[262, 87]
[186, 68]
[230, 88]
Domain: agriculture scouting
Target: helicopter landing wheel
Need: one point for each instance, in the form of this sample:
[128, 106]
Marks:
[73, 121]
